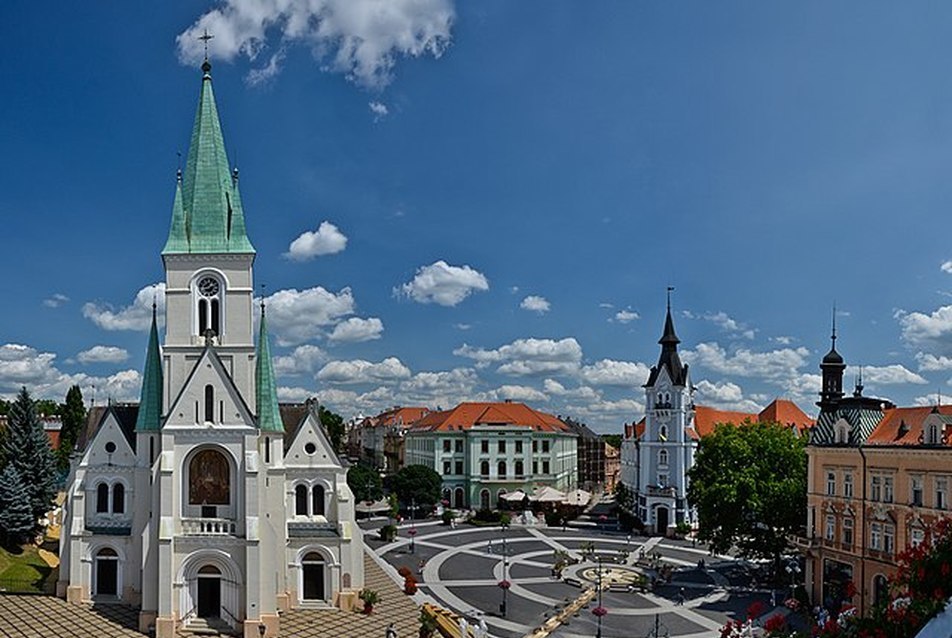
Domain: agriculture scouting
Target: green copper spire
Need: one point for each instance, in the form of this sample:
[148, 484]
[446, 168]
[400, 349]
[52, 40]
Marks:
[269, 416]
[150, 401]
[210, 208]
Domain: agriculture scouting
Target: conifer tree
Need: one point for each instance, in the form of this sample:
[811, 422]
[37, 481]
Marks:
[73, 414]
[16, 518]
[27, 450]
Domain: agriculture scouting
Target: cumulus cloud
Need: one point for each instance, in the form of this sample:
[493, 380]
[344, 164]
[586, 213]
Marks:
[946, 267]
[555, 388]
[103, 354]
[887, 375]
[616, 373]
[518, 393]
[931, 331]
[360, 371]
[136, 316]
[536, 303]
[775, 366]
[726, 396]
[379, 109]
[360, 38]
[723, 321]
[302, 360]
[933, 363]
[457, 380]
[443, 284]
[525, 357]
[608, 411]
[295, 316]
[326, 240]
[22, 365]
[355, 330]
[626, 316]
[56, 300]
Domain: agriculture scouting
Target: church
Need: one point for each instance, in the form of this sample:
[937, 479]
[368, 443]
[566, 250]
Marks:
[209, 505]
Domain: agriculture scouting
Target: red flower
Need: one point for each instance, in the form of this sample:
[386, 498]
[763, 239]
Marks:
[504, 584]
[775, 623]
[600, 611]
[755, 609]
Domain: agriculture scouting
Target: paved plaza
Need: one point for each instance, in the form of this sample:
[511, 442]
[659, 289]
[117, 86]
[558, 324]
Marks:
[462, 568]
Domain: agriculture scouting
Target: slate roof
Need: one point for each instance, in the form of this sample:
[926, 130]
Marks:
[466, 415]
[669, 360]
[126, 414]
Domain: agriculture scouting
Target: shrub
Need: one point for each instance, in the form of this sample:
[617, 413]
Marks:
[448, 516]
[387, 533]
[682, 528]
[553, 519]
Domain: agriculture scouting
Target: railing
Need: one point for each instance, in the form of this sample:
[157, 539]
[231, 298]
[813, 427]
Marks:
[209, 527]
[234, 622]
[654, 490]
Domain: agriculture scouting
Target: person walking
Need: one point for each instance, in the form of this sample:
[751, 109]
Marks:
[391, 631]
[680, 600]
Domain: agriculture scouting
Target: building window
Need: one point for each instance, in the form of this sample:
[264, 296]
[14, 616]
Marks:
[848, 485]
[518, 447]
[447, 466]
[663, 480]
[447, 445]
[545, 447]
[889, 538]
[663, 433]
[484, 469]
[209, 305]
[209, 404]
[831, 484]
[501, 446]
[876, 488]
[501, 469]
[941, 493]
[535, 467]
[300, 500]
[916, 536]
[484, 447]
[842, 434]
[876, 536]
[102, 498]
[545, 467]
[933, 437]
[887, 489]
[848, 532]
[317, 500]
[118, 498]
[520, 469]
[459, 467]
[458, 446]
[916, 484]
[830, 533]
[663, 457]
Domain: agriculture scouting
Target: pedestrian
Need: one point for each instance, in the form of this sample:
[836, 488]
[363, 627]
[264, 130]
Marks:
[773, 598]
[391, 631]
[681, 596]
[463, 627]
[421, 565]
[489, 546]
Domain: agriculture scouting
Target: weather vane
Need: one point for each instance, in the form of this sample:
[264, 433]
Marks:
[205, 37]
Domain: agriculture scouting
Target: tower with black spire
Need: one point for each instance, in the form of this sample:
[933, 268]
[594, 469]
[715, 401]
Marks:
[832, 367]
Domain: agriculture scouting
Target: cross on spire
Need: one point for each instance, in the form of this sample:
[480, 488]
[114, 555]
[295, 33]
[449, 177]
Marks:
[205, 37]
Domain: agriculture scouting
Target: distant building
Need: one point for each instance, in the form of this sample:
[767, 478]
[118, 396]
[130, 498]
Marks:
[485, 450]
[878, 476]
[591, 456]
[612, 467]
[382, 436]
[658, 451]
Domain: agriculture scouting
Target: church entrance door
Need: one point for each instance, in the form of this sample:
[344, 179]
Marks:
[209, 592]
[313, 576]
[107, 573]
[661, 516]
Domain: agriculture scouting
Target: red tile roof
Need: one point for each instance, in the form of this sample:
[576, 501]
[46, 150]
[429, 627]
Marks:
[705, 418]
[903, 426]
[466, 415]
[396, 416]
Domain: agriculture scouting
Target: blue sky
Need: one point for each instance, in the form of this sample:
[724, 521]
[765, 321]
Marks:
[517, 183]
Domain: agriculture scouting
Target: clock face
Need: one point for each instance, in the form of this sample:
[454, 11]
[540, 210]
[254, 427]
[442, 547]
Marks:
[208, 286]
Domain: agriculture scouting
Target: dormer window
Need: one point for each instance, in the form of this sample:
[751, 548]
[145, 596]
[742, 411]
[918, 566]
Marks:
[932, 438]
[208, 300]
[842, 434]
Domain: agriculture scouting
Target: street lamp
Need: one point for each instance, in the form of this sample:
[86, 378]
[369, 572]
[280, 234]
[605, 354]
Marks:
[504, 584]
[413, 529]
[793, 569]
[599, 611]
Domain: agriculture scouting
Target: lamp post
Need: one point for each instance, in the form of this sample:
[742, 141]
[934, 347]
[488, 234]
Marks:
[504, 584]
[599, 611]
[413, 529]
[793, 569]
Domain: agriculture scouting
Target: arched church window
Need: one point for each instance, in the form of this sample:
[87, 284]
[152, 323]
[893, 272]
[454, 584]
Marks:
[317, 501]
[209, 404]
[300, 500]
[118, 498]
[663, 457]
[663, 433]
[208, 296]
[102, 498]
[209, 479]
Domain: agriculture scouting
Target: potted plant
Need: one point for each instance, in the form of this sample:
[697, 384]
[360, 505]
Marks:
[370, 598]
[409, 585]
[428, 624]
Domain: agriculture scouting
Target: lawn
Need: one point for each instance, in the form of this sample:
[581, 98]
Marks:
[22, 570]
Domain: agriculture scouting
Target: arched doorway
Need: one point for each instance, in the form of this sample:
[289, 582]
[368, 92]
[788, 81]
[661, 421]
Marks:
[880, 589]
[208, 604]
[312, 577]
[460, 499]
[484, 499]
[107, 573]
[661, 520]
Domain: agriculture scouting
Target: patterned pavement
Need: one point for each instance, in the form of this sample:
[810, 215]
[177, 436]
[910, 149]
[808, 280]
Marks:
[49, 617]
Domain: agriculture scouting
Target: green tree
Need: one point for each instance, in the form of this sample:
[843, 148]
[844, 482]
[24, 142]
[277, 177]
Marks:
[749, 485]
[16, 518]
[73, 414]
[613, 440]
[417, 483]
[27, 450]
[364, 482]
[47, 407]
[334, 425]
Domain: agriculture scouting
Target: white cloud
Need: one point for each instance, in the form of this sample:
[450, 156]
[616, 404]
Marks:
[462, 326]
[803, 387]
[443, 284]
[56, 300]
[554, 388]
[928, 400]
[518, 393]
[263, 74]
[296, 316]
[103, 354]
[326, 240]
[933, 363]
[355, 330]
[946, 267]
[606, 410]
[360, 38]
[725, 396]
[932, 331]
[528, 356]
[137, 316]
[887, 375]
[782, 340]
[302, 360]
[536, 303]
[775, 366]
[360, 371]
[379, 109]
[457, 380]
[616, 373]
[295, 395]
[626, 316]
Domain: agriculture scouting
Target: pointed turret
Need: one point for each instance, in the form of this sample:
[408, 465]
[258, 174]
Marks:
[669, 359]
[266, 399]
[832, 368]
[150, 400]
[208, 218]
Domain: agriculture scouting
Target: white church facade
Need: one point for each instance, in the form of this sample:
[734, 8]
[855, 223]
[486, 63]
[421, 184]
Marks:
[209, 504]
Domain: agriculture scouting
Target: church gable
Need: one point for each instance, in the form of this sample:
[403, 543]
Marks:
[109, 445]
[309, 445]
[209, 397]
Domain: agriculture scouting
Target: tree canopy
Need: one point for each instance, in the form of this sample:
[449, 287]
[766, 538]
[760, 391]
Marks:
[364, 482]
[334, 424]
[417, 483]
[73, 415]
[27, 451]
[749, 485]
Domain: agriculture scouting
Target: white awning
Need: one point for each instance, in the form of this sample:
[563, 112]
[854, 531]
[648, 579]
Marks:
[518, 495]
[578, 498]
[547, 495]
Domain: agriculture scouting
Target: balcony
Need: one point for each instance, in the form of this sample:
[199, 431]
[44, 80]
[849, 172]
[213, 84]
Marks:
[654, 490]
[312, 529]
[209, 527]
